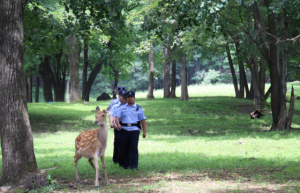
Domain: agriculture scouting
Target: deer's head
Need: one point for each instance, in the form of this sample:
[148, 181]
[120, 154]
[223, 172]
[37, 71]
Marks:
[100, 116]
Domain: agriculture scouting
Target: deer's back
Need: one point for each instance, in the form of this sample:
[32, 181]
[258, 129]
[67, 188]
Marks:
[87, 143]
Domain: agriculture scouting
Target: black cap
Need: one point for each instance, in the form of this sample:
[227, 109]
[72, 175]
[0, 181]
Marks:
[130, 93]
[121, 88]
[122, 92]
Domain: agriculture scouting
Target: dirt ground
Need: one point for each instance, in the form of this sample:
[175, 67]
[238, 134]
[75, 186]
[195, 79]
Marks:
[180, 183]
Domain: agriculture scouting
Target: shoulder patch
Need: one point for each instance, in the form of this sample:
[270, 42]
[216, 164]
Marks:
[138, 107]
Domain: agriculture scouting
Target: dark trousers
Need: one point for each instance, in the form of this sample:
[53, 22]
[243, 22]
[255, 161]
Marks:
[116, 153]
[129, 155]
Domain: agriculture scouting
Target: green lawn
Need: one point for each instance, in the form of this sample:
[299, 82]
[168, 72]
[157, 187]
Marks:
[206, 144]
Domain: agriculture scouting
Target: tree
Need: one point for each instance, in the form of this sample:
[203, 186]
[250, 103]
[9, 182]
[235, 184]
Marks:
[104, 16]
[173, 81]
[18, 156]
[75, 94]
[151, 73]
[184, 88]
[166, 61]
[275, 53]
[45, 45]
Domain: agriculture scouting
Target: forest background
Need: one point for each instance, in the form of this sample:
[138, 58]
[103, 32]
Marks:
[89, 47]
[114, 50]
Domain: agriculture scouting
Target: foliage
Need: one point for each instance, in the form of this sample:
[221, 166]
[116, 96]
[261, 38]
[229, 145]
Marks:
[123, 29]
[198, 76]
[45, 30]
[211, 77]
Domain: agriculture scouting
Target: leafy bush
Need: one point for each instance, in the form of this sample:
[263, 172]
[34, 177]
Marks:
[211, 77]
[198, 76]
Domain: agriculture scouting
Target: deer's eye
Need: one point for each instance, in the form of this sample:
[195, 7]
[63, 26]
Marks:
[102, 115]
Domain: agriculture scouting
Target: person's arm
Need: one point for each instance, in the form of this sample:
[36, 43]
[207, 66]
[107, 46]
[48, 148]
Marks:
[144, 128]
[117, 121]
[111, 121]
[111, 117]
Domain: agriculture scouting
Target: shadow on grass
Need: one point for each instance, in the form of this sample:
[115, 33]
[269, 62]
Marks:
[201, 116]
[189, 165]
[55, 118]
[248, 188]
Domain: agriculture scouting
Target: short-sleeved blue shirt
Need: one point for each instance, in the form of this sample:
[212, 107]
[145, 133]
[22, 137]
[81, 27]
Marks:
[130, 115]
[113, 102]
[113, 108]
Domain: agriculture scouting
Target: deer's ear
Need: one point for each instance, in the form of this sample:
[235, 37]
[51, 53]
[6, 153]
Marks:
[105, 111]
[97, 108]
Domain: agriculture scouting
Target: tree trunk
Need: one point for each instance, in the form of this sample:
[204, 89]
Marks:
[47, 87]
[85, 66]
[277, 97]
[57, 77]
[268, 93]
[269, 50]
[151, 73]
[37, 88]
[53, 78]
[16, 136]
[243, 77]
[166, 61]
[184, 87]
[234, 79]
[61, 77]
[253, 66]
[29, 81]
[284, 71]
[291, 110]
[116, 80]
[26, 88]
[173, 83]
[91, 80]
[262, 77]
[74, 70]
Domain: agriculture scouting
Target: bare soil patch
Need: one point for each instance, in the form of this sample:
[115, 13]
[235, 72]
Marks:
[175, 182]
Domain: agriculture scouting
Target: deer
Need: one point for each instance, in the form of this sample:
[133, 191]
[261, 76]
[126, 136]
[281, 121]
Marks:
[91, 144]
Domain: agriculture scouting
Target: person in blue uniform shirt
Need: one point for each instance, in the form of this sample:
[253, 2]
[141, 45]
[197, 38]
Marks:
[128, 118]
[116, 152]
[112, 103]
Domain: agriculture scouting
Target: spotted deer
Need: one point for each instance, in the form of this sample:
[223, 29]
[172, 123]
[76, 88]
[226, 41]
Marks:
[92, 144]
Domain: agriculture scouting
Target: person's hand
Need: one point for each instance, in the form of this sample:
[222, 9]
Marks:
[144, 134]
[116, 126]
[111, 125]
[119, 126]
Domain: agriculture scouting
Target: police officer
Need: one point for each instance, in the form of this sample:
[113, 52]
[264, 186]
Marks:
[112, 103]
[111, 120]
[128, 118]
[116, 131]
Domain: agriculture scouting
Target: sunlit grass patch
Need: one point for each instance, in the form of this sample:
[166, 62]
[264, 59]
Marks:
[208, 139]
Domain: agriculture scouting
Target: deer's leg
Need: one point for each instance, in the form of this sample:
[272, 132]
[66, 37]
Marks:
[76, 158]
[93, 166]
[95, 157]
[104, 168]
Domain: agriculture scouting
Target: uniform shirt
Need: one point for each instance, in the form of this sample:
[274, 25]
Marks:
[113, 102]
[130, 114]
[113, 108]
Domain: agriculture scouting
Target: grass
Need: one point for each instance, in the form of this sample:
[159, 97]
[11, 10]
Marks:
[206, 144]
